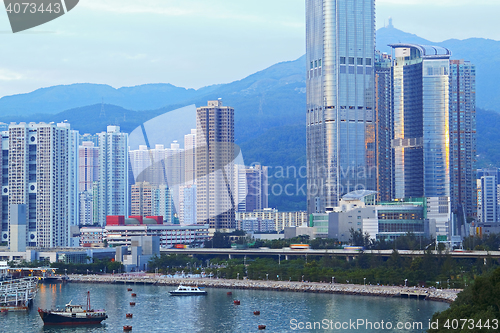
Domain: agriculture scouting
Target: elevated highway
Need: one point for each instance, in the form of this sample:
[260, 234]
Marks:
[286, 252]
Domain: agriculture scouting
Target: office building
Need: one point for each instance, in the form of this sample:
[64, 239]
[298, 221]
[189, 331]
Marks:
[119, 230]
[113, 188]
[340, 51]
[214, 165]
[463, 138]
[384, 127]
[421, 121]
[281, 220]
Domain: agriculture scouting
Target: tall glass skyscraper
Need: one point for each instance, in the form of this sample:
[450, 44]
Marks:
[340, 37]
[421, 121]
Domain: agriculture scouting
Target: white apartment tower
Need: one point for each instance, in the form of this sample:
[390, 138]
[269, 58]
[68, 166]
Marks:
[113, 173]
[88, 173]
[41, 160]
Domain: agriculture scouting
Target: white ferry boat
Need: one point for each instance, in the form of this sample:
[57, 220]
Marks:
[187, 291]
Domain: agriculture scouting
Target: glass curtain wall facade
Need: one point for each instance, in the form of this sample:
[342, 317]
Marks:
[463, 138]
[340, 50]
[383, 116]
[421, 121]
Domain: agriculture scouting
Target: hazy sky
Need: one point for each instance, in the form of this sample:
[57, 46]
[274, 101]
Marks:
[193, 43]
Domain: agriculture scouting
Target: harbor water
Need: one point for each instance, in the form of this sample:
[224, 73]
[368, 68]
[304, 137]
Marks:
[156, 311]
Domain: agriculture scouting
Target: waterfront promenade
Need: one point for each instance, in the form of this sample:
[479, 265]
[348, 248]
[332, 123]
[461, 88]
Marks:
[443, 295]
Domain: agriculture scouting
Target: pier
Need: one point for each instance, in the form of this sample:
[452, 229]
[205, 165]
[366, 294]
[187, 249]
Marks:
[17, 294]
[443, 295]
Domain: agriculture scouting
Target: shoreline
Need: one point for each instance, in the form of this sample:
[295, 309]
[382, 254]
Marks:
[431, 294]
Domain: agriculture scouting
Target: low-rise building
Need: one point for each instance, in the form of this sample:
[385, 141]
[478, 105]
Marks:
[280, 219]
[119, 230]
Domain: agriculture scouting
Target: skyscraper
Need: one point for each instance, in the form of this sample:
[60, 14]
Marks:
[421, 121]
[214, 165]
[340, 50]
[463, 138]
[113, 173]
[384, 127]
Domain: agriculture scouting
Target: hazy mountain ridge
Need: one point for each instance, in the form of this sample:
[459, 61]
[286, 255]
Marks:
[269, 107]
[483, 53]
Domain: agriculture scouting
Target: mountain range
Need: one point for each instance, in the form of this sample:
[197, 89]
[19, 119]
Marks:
[269, 108]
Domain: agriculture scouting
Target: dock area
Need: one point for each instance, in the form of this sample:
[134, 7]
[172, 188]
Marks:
[18, 294]
[443, 295]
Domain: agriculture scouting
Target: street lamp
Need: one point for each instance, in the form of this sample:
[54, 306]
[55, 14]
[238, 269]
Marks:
[302, 278]
[333, 277]
[87, 272]
[267, 277]
[406, 280]
[237, 276]
[364, 282]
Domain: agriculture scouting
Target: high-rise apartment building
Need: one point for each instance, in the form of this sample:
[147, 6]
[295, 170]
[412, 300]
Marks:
[340, 51]
[463, 138]
[214, 165]
[190, 157]
[113, 173]
[421, 121]
[141, 196]
[88, 173]
[251, 187]
[487, 195]
[42, 163]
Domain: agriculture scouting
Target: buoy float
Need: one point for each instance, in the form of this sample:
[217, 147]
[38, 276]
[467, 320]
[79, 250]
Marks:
[127, 328]
[132, 303]
[256, 313]
[262, 327]
[229, 293]
[236, 302]
[133, 295]
[129, 289]
[129, 315]
[5, 310]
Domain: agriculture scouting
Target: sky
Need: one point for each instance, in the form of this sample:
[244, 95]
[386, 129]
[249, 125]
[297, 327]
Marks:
[195, 43]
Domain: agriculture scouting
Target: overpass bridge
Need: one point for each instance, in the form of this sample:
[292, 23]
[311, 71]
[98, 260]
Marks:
[287, 252]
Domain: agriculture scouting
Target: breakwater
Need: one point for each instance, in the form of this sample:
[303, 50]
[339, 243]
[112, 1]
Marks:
[443, 295]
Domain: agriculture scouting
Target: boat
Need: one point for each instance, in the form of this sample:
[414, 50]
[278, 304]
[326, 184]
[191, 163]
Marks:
[187, 291]
[73, 315]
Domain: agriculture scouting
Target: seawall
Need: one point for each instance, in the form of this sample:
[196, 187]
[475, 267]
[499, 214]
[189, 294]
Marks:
[442, 295]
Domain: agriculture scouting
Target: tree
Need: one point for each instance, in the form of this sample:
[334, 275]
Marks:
[481, 301]
[219, 241]
[358, 239]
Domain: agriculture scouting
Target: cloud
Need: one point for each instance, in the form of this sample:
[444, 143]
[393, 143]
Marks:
[244, 11]
[8, 75]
